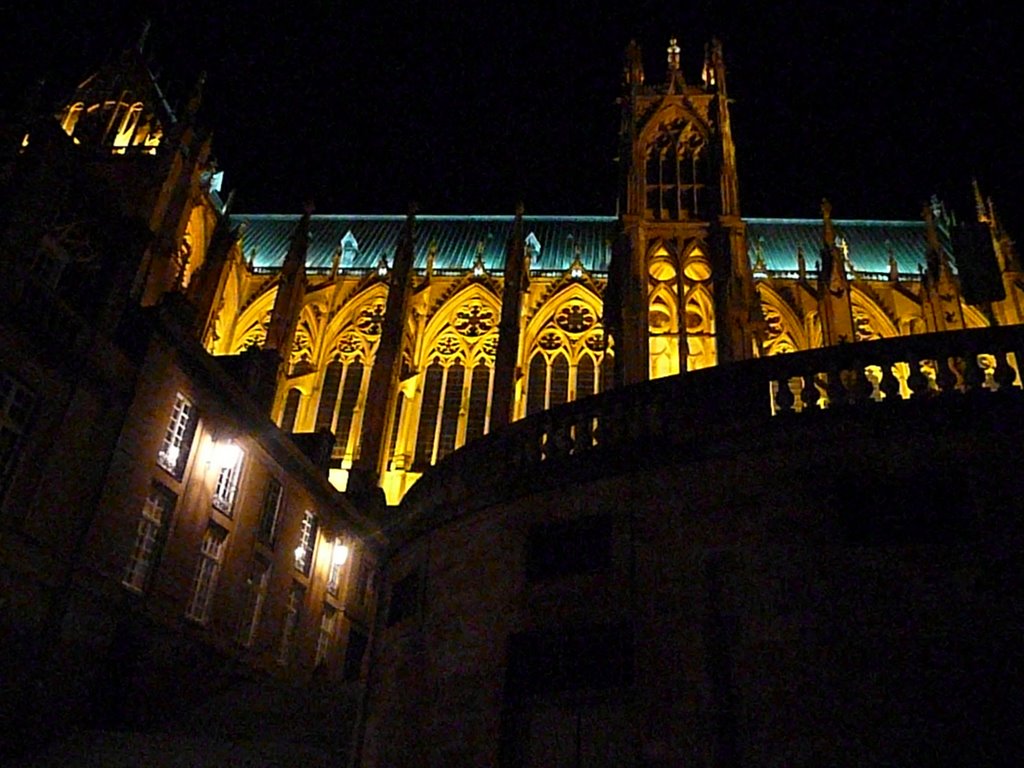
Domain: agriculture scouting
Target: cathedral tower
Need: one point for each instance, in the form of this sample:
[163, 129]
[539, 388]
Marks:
[681, 287]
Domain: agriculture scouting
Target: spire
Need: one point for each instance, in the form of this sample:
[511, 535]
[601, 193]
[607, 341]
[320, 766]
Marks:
[144, 35]
[207, 285]
[634, 66]
[479, 268]
[834, 306]
[931, 232]
[829, 232]
[707, 74]
[984, 215]
[291, 287]
[673, 55]
[941, 293]
[504, 388]
[431, 258]
[676, 83]
[382, 390]
[730, 190]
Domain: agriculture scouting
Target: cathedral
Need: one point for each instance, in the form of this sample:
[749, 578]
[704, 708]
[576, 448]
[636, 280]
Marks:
[397, 354]
[678, 282]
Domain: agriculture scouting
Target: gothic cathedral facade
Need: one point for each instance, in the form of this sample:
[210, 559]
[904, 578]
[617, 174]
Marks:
[408, 336]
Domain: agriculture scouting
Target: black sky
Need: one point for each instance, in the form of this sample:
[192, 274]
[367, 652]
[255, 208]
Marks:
[468, 106]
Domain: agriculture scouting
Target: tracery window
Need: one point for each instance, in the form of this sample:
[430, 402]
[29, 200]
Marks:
[568, 358]
[674, 169]
[458, 383]
[346, 377]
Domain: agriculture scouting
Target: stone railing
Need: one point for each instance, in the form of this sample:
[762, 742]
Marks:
[695, 407]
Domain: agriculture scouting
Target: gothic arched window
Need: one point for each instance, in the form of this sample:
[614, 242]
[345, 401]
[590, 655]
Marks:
[674, 172]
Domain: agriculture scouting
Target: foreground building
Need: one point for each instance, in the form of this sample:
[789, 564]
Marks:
[163, 546]
[650, 537]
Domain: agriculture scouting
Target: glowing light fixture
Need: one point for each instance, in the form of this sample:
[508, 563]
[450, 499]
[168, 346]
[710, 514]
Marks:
[300, 554]
[226, 453]
[340, 554]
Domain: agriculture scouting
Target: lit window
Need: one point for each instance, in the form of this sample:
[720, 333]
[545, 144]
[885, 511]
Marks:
[339, 556]
[178, 439]
[227, 482]
[269, 515]
[307, 541]
[323, 640]
[259, 581]
[291, 622]
[155, 514]
[211, 556]
[15, 410]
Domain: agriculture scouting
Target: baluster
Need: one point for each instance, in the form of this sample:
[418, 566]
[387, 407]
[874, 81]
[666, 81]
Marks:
[945, 377]
[811, 395]
[584, 433]
[562, 440]
[783, 396]
[836, 390]
[862, 389]
[916, 380]
[1004, 373]
[974, 374]
[889, 384]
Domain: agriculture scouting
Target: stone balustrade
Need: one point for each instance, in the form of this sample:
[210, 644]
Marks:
[696, 408]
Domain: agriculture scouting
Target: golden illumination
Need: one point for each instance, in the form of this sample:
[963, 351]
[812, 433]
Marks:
[339, 556]
[226, 454]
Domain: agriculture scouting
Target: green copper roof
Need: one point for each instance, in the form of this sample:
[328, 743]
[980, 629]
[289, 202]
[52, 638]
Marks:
[458, 238]
[868, 244]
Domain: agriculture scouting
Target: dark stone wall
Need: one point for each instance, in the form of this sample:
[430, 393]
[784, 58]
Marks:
[834, 588]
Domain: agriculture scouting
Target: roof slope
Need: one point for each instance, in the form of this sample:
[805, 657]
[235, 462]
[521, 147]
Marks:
[561, 238]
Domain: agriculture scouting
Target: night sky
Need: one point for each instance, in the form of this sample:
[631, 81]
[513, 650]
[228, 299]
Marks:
[466, 107]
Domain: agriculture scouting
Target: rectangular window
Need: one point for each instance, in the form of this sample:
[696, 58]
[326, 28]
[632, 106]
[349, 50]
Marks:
[568, 548]
[227, 484]
[259, 581]
[270, 512]
[15, 410]
[307, 543]
[173, 454]
[211, 557]
[323, 640]
[293, 611]
[156, 513]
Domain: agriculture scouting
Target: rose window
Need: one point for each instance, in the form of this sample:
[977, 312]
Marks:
[575, 318]
[473, 320]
